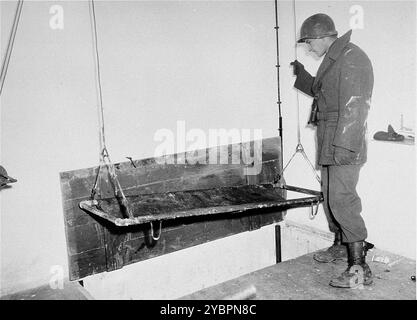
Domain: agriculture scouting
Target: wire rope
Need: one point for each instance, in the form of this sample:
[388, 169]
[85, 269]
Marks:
[6, 59]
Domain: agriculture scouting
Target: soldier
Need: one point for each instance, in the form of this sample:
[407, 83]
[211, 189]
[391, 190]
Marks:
[342, 92]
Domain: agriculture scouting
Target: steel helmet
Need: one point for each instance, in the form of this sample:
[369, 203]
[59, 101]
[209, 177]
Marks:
[317, 26]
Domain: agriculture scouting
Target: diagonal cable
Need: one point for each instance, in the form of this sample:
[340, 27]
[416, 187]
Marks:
[6, 59]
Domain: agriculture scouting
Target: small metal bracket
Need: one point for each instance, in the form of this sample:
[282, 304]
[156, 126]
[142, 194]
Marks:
[313, 213]
[160, 231]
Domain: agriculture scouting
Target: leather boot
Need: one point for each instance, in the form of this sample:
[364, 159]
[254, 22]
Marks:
[338, 251]
[358, 272]
[335, 252]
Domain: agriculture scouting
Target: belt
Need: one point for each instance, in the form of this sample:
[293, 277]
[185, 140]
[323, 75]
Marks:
[332, 115]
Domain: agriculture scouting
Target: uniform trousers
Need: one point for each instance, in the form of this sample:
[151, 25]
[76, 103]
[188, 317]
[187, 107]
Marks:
[342, 204]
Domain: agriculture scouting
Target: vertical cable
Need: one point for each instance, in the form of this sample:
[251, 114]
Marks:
[104, 155]
[278, 85]
[295, 28]
[296, 57]
[97, 59]
[299, 148]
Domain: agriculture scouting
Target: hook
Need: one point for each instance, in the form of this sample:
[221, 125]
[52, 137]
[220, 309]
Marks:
[312, 212]
[160, 231]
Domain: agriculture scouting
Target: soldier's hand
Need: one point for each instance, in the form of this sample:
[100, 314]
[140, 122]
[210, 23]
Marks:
[344, 156]
[297, 67]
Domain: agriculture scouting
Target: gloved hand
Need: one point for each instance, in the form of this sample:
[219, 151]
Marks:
[344, 156]
[297, 67]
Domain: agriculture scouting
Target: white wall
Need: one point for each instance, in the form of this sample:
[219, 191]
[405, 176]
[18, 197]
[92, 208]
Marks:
[210, 64]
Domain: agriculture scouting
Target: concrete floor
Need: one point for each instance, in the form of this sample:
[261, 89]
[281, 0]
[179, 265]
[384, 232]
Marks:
[305, 279]
[69, 291]
[301, 278]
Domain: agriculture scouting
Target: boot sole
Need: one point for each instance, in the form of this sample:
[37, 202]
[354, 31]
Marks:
[365, 283]
[328, 261]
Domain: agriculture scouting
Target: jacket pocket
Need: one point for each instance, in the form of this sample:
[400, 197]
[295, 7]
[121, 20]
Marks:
[328, 137]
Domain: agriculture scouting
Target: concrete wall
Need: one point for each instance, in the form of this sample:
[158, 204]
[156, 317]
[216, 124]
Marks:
[210, 64]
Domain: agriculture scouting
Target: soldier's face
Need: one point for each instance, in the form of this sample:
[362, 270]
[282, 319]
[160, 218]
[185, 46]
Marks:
[317, 46]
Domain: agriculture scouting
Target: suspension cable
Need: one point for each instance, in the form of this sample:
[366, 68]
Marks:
[104, 154]
[97, 60]
[296, 58]
[10, 44]
[299, 148]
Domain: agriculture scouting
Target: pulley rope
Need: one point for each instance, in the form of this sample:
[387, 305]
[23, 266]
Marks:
[297, 94]
[10, 44]
[104, 154]
[97, 60]
[299, 148]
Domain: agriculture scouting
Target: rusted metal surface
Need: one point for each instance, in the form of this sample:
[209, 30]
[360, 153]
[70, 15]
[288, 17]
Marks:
[95, 244]
[303, 190]
[183, 204]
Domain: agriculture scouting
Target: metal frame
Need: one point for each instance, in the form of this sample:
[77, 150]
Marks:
[92, 206]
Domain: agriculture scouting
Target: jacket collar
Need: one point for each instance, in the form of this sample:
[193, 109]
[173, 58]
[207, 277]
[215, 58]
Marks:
[331, 56]
[337, 47]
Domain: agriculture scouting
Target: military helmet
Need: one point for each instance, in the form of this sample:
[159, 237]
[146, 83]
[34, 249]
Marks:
[317, 26]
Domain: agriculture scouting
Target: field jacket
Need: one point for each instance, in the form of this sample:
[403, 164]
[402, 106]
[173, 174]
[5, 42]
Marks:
[342, 89]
